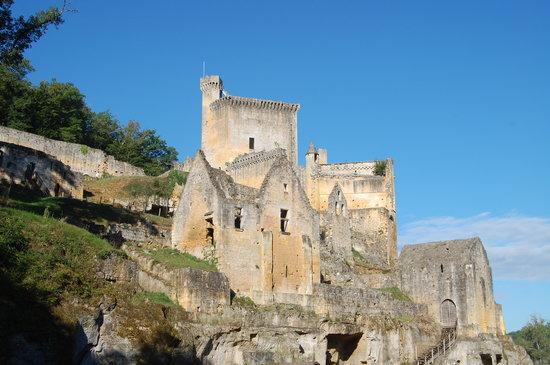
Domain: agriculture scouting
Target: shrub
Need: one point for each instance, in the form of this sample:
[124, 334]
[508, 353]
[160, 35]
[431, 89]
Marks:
[396, 294]
[380, 168]
[154, 297]
[177, 259]
[243, 301]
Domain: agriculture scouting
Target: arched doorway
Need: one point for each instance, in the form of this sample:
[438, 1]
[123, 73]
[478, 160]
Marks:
[448, 313]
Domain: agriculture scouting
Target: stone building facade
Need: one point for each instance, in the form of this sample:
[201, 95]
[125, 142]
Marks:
[248, 168]
[453, 278]
[323, 235]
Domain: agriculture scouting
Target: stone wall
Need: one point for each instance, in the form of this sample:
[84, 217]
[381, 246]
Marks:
[81, 159]
[250, 169]
[39, 171]
[500, 351]
[195, 290]
[455, 275]
[363, 189]
[241, 227]
[229, 122]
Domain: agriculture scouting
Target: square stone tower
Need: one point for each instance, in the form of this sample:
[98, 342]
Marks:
[234, 126]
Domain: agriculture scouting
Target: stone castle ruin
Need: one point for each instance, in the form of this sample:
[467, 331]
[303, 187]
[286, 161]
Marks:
[313, 248]
[319, 235]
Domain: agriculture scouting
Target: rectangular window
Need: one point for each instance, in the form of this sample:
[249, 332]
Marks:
[210, 230]
[284, 220]
[238, 217]
[251, 143]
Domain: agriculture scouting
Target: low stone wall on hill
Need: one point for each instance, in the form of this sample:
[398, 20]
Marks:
[81, 159]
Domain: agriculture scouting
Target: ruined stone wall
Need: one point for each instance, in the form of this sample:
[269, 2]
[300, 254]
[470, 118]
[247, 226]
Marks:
[374, 235]
[230, 121]
[37, 170]
[457, 271]
[255, 254]
[81, 159]
[250, 169]
[195, 290]
[501, 351]
[362, 187]
[295, 250]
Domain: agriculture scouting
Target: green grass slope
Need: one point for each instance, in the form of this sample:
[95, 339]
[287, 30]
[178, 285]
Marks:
[43, 262]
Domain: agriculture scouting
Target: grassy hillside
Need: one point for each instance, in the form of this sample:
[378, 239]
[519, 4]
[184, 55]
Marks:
[48, 280]
[129, 187]
[79, 212]
[42, 263]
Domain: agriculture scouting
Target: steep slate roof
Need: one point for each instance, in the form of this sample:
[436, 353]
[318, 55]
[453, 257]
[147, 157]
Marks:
[462, 250]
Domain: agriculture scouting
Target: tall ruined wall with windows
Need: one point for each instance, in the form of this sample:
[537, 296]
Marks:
[453, 278]
[368, 189]
[265, 240]
[80, 158]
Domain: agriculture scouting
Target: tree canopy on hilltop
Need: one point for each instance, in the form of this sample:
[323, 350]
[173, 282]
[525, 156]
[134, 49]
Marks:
[58, 110]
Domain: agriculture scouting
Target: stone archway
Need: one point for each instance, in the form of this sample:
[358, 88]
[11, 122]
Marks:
[448, 313]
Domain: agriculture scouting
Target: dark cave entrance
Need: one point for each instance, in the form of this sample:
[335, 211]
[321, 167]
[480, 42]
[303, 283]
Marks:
[486, 359]
[340, 347]
[160, 210]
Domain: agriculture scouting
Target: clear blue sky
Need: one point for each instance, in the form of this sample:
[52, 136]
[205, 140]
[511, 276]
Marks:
[457, 93]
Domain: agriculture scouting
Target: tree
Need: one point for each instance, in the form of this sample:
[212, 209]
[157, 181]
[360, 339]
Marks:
[535, 338]
[101, 130]
[143, 148]
[17, 34]
[59, 110]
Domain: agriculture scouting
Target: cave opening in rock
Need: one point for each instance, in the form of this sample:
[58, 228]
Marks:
[486, 359]
[340, 347]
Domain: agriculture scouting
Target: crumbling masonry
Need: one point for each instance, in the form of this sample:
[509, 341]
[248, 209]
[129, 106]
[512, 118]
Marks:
[284, 233]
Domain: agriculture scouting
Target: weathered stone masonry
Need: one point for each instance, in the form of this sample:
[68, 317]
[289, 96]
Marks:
[80, 159]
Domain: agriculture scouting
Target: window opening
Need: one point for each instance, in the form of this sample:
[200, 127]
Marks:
[30, 170]
[238, 217]
[210, 230]
[251, 143]
[285, 187]
[284, 220]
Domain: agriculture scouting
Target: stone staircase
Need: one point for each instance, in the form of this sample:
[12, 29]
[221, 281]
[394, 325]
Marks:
[447, 341]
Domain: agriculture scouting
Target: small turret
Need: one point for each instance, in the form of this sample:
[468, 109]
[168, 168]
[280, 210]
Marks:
[311, 154]
[212, 89]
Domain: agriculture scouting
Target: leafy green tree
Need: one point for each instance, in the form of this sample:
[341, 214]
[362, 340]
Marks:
[101, 130]
[143, 148]
[13, 91]
[59, 112]
[17, 34]
[535, 338]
